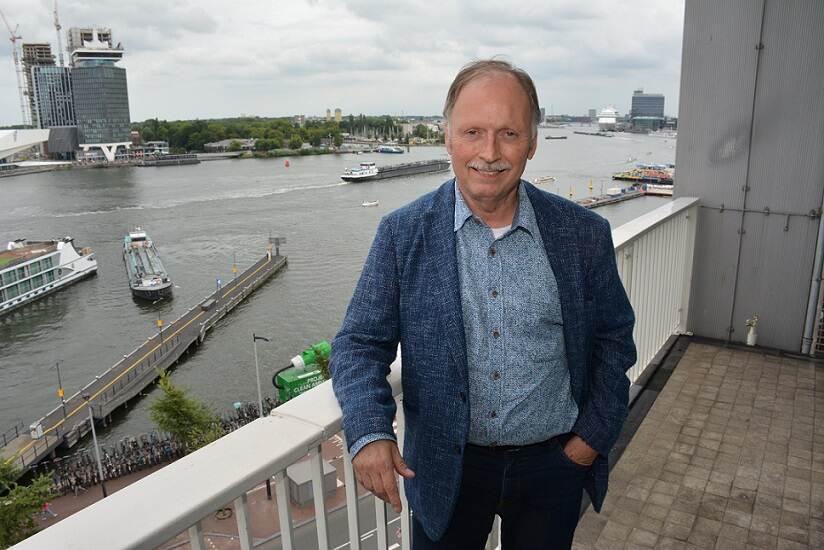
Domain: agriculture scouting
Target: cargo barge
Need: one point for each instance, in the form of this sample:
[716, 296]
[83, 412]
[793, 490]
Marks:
[367, 171]
[147, 276]
[170, 160]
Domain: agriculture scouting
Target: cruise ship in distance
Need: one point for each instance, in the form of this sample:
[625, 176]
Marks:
[32, 269]
[607, 119]
[147, 276]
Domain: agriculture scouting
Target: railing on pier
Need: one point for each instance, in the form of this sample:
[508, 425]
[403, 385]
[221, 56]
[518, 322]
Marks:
[13, 433]
[655, 263]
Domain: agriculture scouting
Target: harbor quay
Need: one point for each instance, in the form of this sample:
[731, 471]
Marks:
[120, 383]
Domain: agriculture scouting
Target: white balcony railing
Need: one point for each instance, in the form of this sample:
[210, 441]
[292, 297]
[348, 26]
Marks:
[169, 508]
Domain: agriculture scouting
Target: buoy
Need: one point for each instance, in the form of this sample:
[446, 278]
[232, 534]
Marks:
[286, 163]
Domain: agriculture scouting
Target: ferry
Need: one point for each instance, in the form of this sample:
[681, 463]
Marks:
[365, 172]
[32, 269]
[390, 149]
[147, 276]
[645, 174]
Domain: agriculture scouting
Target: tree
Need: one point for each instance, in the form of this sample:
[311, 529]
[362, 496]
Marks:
[18, 504]
[338, 140]
[185, 417]
[234, 145]
[421, 131]
[295, 142]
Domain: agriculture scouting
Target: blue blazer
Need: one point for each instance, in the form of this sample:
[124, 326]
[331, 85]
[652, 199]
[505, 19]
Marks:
[409, 292]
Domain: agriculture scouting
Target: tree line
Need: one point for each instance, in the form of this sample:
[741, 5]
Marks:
[270, 133]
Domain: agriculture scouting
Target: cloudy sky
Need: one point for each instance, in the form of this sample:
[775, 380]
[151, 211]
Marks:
[207, 58]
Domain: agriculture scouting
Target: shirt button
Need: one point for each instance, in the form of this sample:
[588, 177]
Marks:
[496, 375]
[492, 251]
[493, 414]
[495, 334]
[494, 293]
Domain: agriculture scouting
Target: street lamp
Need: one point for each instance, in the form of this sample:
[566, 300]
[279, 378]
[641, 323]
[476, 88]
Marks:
[96, 448]
[255, 338]
[60, 392]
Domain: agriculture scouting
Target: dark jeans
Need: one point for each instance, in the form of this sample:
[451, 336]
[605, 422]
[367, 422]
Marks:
[536, 490]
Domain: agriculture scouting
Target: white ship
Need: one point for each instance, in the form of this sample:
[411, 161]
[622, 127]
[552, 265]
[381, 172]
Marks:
[607, 119]
[365, 172]
[32, 269]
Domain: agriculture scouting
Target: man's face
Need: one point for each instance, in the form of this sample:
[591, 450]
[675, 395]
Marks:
[489, 136]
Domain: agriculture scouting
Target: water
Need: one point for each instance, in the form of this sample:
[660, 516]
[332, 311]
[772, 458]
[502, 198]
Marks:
[202, 215]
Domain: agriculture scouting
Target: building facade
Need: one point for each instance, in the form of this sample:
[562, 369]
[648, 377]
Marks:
[35, 56]
[52, 99]
[647, 112]
[100, 91]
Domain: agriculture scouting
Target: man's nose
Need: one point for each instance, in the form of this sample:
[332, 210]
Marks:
[491, 151]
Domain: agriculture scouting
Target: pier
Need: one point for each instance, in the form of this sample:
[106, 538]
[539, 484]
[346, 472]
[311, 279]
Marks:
[69, 422]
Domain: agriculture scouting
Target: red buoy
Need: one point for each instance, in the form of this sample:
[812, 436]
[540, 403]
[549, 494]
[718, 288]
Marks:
[286, 163]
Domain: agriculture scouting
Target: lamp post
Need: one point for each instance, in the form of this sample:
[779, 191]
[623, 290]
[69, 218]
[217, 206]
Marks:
[159, 323]
[60, 393]
[96, 447]
[255, 338]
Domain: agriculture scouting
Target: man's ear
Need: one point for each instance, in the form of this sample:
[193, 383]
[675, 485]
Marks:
[448, 138]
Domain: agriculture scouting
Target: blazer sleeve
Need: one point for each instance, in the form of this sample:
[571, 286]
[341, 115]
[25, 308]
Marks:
[613, 350]
[367, 344]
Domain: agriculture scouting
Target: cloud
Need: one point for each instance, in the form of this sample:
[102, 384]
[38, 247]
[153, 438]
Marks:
[207, 58]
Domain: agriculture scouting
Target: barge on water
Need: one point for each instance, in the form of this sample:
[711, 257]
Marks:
[368, 171]
[30, 270]
[147, 276]
[170, 160]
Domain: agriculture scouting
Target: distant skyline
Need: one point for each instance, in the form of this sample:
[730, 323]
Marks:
[203, 59]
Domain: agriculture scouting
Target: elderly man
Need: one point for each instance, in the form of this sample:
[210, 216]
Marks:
[515, 335]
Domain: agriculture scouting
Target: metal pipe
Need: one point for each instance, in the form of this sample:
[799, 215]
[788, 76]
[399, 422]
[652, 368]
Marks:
[815, 288]
[96, 448]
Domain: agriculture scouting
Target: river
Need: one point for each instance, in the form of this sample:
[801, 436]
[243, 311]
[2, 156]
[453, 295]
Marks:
[202, 216]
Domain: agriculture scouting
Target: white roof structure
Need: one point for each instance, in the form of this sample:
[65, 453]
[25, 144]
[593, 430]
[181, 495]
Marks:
[14, 141]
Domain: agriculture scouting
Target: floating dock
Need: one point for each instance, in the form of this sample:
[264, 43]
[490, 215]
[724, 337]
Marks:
[128, 377]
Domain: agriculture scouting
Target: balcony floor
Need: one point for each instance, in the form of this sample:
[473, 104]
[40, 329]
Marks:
[731, 455]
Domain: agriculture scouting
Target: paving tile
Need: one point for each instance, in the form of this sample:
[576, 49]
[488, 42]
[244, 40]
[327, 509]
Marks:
[642, 537]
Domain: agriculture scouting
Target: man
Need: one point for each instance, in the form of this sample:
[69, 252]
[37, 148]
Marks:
[515, 335]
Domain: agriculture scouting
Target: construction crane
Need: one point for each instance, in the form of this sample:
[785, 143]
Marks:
[57, 27]
[14, 37]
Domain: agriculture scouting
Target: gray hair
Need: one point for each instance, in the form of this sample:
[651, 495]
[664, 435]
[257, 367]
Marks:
[483, 67]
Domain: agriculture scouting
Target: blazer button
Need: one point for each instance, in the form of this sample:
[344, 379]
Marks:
[458, 449]
[462, 395]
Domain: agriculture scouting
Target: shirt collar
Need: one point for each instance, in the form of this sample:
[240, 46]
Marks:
[524, 214]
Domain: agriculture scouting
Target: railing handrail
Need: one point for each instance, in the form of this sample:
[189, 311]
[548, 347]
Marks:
[635, 228]
[177, 496]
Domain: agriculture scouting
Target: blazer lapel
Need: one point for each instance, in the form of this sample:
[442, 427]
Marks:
[439, 236]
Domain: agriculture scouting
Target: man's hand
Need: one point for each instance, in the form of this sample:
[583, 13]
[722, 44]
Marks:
[579, 452]
[376, 464]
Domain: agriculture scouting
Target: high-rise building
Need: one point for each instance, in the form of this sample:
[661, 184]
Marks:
[338, 115]
[328, 115]
[35, 55]
[52, 100]
[543, 115]
[647, 112]
[101, 96]
[593, 113]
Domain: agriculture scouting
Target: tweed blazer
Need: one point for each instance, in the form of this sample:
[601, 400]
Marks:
[409, 293]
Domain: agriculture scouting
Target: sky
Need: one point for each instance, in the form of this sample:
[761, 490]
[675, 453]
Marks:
[189, 59]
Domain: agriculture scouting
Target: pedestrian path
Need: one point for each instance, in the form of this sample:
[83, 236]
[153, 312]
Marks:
[730, 456]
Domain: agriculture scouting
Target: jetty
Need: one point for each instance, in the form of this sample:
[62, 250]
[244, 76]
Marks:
[116, 386]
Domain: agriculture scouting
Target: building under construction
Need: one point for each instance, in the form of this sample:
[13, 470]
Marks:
[35, 56]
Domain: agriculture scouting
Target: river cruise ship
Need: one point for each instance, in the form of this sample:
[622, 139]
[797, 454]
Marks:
[32, 269]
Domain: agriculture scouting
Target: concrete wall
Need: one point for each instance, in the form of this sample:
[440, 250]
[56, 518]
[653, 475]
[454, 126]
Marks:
[751, 146]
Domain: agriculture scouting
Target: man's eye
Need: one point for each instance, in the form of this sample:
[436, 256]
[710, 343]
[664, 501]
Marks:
[472, 132]
[510, 134]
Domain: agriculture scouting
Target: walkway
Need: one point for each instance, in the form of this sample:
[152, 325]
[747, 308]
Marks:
[731, 456]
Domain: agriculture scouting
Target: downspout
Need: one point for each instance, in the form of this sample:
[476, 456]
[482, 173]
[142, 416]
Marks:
[815, 288]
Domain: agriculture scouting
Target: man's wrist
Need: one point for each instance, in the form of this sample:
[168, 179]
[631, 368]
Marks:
[366, 440]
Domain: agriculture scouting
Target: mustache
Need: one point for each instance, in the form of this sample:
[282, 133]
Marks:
[499, 166]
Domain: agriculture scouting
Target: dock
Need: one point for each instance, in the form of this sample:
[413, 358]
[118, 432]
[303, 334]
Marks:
[117, 385]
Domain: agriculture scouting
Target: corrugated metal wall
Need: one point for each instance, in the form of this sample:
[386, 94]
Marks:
[733, 93]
